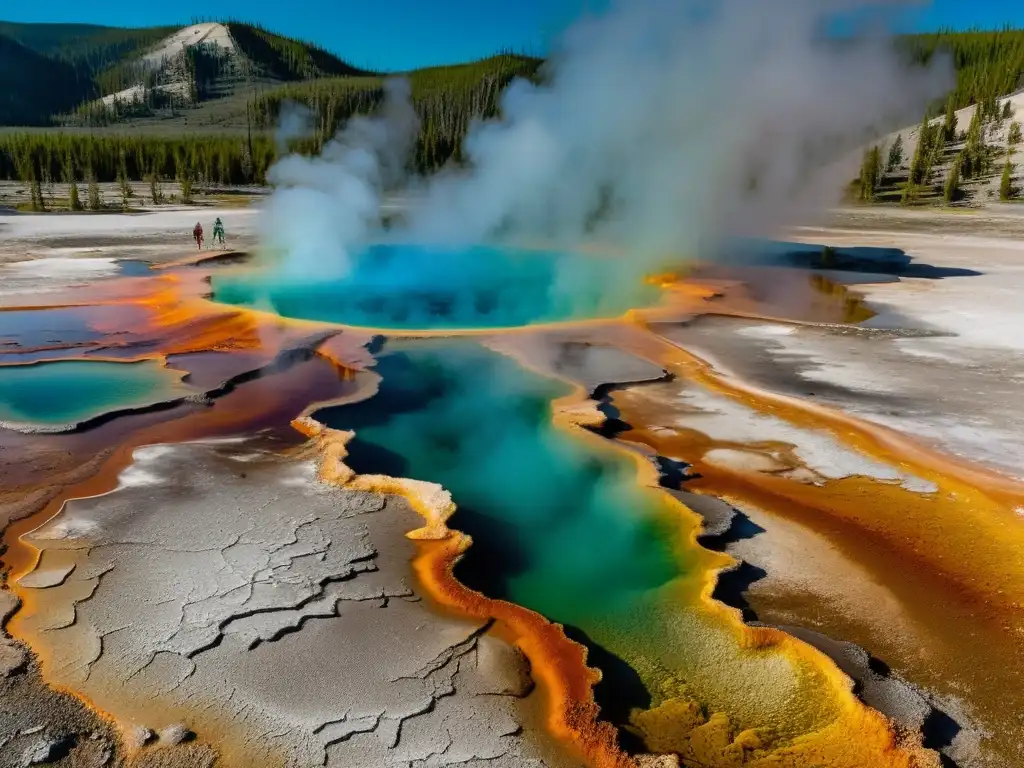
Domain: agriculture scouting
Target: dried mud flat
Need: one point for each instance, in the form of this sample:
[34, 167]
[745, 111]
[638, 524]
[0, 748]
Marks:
[223, 579]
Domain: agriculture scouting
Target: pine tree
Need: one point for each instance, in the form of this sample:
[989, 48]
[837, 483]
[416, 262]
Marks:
[934, 154]
[895, 155]
[1006, 186]
[953, 182]
[974, 129]
[869, 173]
[36, 193]
[185, 181]
[909, 193]
[1014, 135]
[95, 203]
[975, 156]
[992, 107]
[68, 172]
[949, 126]
[154, 189]
[122, 180]
[921, 153]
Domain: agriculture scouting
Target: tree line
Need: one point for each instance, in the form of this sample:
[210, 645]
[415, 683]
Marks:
[47, 70]
[446, 99]
[988, 64]
[446, 102]
[285, 58]
[42, 158]
[95, 61]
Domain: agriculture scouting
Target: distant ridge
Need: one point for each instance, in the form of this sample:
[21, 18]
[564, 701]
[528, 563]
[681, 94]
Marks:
[22, 70]
[145, 68]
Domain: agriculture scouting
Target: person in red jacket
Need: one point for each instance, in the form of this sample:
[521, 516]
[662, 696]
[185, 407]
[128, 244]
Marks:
[197, 233]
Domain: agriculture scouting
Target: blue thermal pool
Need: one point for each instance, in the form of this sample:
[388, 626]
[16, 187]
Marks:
[405, 287]
[566, 530]
[68, 392]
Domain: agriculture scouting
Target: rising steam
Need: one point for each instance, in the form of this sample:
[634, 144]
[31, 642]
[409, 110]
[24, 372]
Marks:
[662, 126]
[684, 120]
[324, 207]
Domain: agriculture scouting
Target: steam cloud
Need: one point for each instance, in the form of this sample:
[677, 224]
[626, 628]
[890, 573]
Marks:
[324, 207]
[664, 126]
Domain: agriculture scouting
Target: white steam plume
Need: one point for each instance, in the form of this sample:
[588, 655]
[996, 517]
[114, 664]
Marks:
[649, 125]
[658, 111]
[295, 122]
[323, 207]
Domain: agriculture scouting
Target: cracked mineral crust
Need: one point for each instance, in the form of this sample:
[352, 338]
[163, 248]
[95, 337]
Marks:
[223, 593]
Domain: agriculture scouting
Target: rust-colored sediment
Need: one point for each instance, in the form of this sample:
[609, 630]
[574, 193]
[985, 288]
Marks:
[233, 414]
[954, 559]
[152, 318]
[347, 351]
[934, 528]
[796, 296]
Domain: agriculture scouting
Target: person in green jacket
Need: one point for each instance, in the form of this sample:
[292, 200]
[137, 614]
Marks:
[218, 231]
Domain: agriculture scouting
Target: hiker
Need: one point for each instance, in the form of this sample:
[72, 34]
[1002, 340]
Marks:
[218, 231]
[197, 233]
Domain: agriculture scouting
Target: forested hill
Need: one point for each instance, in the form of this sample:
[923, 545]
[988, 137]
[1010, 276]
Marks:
[60, 69]
[86, 74]
[198, 103]
[988, 64]
[33, 85]
[286, 59]
[86, 46]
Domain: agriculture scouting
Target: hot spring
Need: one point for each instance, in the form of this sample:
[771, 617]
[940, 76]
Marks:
[569, 532]
[62, 393]
[406, 287]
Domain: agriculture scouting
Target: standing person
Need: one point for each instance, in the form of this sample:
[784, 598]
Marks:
[218, 231]
[197, 233]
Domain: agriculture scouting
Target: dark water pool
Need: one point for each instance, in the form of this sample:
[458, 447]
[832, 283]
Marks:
[555, 528]
[133, 268]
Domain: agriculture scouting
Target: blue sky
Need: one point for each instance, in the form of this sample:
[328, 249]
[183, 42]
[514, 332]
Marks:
[402, 34]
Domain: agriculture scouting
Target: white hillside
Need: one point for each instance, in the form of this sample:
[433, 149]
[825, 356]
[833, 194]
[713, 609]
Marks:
[980, 190]
[209, 33]
[137, 93]
[163, 58]
[995, 136]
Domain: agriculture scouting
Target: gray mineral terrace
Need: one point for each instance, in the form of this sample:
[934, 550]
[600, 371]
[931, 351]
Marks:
[222, 596]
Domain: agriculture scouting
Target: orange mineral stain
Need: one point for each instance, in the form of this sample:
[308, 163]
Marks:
[953, 558]
[561, 664]
[857, 737]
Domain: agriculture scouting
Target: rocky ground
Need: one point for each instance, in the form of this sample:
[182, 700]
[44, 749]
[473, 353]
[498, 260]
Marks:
[301, 637]
[223, 594]
[954, 384]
